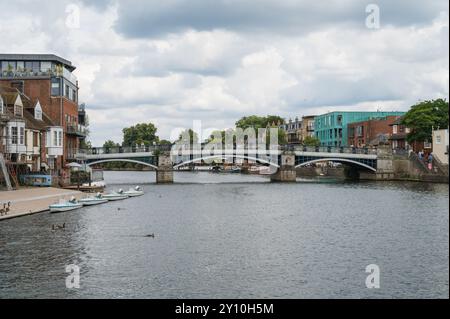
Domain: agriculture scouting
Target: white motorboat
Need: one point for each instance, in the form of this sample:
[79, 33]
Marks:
[64, 206]
[115, 195]
[134, 192]
[93, 200]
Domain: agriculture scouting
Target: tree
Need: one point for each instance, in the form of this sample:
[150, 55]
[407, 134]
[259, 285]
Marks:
[143, 133]
[165, 142]
[258, 121]
[110, 144]
[423, 117]
[311, 141]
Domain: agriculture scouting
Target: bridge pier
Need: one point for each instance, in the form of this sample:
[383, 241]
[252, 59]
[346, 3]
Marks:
[286, 172]
[164, 174]
[385, 165]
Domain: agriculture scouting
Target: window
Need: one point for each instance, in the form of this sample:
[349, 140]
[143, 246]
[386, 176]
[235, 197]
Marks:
[56, 91]
[35, 66]
[38, 114]
[438, 139]
[28, 66]
[18, 110]
[60, 139]
[20, 65]
[360, 130]
[38, 111]
[55, 138]
[22, 136]
[1, 105]
[14, 135]
[46, 66]
[394, 129]
[66, 91]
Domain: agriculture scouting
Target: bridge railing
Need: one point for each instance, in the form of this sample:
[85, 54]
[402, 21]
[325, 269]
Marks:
[329, 149]
[153, 148]
[123, 149]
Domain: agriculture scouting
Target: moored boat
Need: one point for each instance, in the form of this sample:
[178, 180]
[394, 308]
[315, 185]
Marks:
[115, 195]
[64, 206]
[95, 200]
[134, 192]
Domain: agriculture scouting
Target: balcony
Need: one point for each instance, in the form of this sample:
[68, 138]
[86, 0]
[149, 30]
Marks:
[29, 74]
[18, 74]
[76, 129]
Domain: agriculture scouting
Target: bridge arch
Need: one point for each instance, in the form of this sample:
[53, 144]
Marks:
[122, 160]
[225, 157]
[339, 160]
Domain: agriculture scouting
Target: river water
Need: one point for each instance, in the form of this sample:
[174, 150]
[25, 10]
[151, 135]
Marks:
[236, 236]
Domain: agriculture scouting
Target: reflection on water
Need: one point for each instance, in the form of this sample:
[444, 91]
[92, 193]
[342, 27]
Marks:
[234, 236]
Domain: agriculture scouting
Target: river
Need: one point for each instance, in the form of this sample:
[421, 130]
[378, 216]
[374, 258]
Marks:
[236, 236]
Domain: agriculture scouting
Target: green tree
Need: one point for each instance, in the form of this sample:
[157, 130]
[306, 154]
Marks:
[110, 144]
[165, 142]
[311, 141]
[423, 117]
[256, 121]
[142, 133]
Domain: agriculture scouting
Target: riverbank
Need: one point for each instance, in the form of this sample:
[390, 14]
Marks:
[28, 201]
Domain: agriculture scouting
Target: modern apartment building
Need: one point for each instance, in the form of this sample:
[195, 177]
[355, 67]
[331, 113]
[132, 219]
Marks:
[331, 128]
[49, 80]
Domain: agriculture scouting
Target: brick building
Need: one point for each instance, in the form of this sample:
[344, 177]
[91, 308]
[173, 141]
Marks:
[370, 132]
[49, 80]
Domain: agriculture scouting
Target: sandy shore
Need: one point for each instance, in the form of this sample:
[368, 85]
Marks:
[33, 200]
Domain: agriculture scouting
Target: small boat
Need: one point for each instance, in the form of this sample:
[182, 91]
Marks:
[64, 206]
[134, 192]
[115, 195]
[89, 201]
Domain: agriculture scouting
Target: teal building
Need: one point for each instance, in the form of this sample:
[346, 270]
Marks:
[331, 128]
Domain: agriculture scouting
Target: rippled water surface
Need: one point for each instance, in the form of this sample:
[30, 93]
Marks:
[234, 236]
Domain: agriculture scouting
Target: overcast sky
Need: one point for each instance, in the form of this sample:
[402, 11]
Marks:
[171, 62]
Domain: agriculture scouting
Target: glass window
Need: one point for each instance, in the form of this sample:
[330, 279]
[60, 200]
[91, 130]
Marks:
[46, 66]
[55, 138]
[22, 136]
[60, 138]
[4, 65]
[1, 105]
[35, 66]
[28, 66]
[14, 135]
[12, 65]
[56, 87]
[18, 110]
[38, 115]
[20, 66]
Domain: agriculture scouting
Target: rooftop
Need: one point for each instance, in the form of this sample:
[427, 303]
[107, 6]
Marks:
[38, 57]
